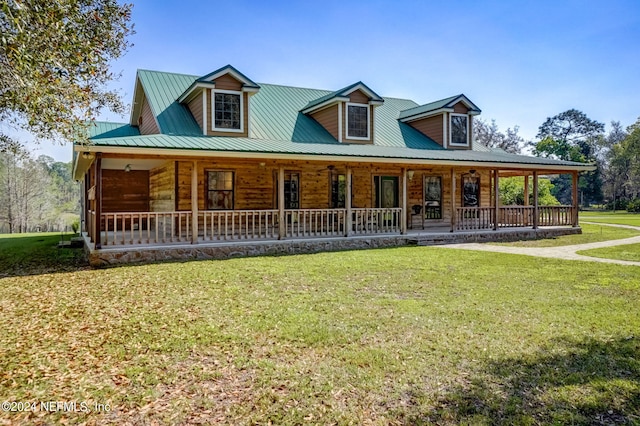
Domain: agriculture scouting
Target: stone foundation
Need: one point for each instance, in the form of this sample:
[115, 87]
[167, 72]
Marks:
[141, 254]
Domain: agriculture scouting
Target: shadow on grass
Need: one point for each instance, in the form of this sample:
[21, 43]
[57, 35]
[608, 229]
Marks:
[569, 382]
[35, 254]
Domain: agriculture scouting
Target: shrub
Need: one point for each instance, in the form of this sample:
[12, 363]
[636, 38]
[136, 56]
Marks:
[634, 206]
[621, 204]
[75, 226]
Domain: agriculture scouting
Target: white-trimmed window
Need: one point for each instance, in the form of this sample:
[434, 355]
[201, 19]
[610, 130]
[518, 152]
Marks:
[227, 111]
[459, 129]
[358, 121]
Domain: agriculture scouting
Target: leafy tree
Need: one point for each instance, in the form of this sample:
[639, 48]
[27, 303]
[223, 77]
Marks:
[572, 136]
[54, 62]
[489, 136]
[36, 194]
[569, 128]
[512, 192]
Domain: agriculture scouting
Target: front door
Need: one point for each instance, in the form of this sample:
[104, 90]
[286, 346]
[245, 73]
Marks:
[386, 191]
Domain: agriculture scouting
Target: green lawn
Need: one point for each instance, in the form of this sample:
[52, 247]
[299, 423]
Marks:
[625, 252]
[36, 253]
[620, 217]
[590, 234]
[413, 335]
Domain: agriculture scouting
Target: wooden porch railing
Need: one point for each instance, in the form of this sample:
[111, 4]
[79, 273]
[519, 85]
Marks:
[223, 225]
[145, 228]
[556, 215]
[315, 222]
[478, 218]
[376, 221]
[515, 216]
[473, 218]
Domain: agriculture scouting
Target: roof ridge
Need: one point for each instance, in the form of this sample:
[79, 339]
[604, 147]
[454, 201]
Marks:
[167, 72]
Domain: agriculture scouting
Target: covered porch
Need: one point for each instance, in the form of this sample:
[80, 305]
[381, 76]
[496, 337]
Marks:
[162, 201]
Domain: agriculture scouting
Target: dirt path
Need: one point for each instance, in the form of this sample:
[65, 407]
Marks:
[562, 252]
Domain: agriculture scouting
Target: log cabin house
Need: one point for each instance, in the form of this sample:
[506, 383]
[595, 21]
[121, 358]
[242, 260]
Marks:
[220, 161]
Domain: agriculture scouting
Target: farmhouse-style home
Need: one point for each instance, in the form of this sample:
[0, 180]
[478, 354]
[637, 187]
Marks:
[218, 165]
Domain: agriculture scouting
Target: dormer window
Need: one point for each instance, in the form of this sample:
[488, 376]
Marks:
[357, 121]
[459, 129]
[227, 111]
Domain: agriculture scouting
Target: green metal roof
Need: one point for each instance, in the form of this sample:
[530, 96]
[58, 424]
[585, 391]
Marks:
[341, 93]
[434, 106]
[162, 90]
[249, 145]
[104, 129]
[247, 82]
[277, 126]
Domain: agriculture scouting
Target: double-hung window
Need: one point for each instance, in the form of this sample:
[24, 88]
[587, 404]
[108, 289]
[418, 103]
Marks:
[358, 121]
[220, 190]
[227, 111]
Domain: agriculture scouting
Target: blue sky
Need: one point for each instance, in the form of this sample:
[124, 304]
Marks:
[519, 61]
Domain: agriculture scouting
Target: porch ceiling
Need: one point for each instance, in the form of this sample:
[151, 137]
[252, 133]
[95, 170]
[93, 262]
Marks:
[135, 164]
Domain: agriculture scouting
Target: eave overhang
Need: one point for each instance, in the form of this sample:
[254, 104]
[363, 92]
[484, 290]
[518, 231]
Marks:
[503, 163]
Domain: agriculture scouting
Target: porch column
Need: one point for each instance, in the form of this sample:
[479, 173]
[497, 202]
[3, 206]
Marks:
[85, 205]
[536, 213]
[403, 217]
[526, 190]
[453, 199]
[496, 198]
[98, 219]
[574, 196]
[194, 203]
[282, 226]
[347, 203]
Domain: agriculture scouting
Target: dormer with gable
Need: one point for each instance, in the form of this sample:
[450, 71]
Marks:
[219, 102]
[449, 122]
[347, 114]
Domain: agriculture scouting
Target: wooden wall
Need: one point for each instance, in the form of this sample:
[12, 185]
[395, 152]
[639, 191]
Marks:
[328, 118]
[147, 125]
[195, 106]
[162, 188]
[125, 191]
[169, 186]
[431, 126]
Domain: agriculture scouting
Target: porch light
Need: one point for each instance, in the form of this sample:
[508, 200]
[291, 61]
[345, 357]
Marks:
[87, 155]
[473, 173]
[410, 174]
[127, 168]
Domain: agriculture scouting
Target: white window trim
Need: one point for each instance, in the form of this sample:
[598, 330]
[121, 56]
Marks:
[451, 143]
[213, 111]
[348, 104]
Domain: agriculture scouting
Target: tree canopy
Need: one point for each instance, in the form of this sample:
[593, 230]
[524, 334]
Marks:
[489, 136]
[55, 60]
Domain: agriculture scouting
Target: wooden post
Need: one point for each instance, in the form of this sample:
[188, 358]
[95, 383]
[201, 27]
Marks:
[194, 202]
[496, 196]
[282, 226]
[536, 213]
[85, 204]
[403, 203]
[347, 203]
[526, 190]
[574, 219]
[98, 219]
[453, 199]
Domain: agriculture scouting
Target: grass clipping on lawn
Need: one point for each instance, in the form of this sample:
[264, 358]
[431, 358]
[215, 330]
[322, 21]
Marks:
[393, 336]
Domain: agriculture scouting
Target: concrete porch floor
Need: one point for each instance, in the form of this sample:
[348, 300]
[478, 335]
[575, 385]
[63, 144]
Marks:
[141, 253]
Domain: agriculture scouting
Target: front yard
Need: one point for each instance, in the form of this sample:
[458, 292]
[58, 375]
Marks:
[395, 336]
